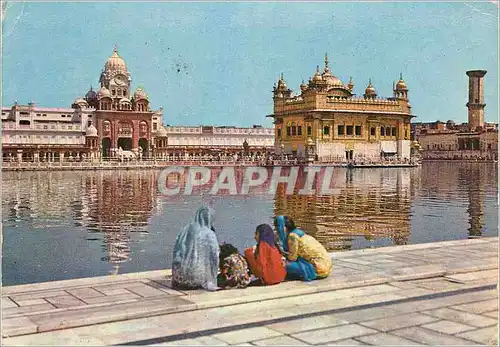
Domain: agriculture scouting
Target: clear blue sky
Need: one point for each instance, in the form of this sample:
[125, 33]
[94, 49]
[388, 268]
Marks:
[230, 55]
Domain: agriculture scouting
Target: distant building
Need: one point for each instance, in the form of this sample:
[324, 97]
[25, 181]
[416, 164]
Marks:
[97, 125]
[113, 119]
[184, 140]
[475, 139]
[39, 133]
[329, 121]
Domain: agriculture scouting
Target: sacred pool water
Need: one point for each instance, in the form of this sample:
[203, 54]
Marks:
[63, 225]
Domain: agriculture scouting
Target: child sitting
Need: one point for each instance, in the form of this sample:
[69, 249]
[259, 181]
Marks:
[234, 271]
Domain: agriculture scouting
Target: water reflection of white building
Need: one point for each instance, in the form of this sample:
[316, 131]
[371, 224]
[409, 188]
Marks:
[119, 203]
[113, 204]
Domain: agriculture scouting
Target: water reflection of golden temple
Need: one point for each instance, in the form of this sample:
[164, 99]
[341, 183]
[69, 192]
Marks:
[378, 205]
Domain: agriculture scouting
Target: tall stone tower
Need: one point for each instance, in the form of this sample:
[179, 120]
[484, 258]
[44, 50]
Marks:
[476, 99]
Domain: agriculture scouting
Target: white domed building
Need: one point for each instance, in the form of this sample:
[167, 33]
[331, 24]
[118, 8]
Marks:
[123, 119]
[116, 117]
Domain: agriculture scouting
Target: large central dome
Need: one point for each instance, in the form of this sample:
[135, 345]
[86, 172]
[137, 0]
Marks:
[115, 63]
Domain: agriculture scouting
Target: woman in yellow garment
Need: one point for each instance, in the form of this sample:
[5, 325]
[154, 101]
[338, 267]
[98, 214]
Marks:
[307, 258]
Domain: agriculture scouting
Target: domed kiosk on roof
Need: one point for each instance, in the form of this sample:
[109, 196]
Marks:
[282, 90]
[162, 132]
[91, 94]
[80, 103]
[91, 131]
[303, 86]
[140, 93]
[370, 91]
[103, 93]
[400, 88]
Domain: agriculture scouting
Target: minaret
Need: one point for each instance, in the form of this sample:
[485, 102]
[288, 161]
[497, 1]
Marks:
[476, 99]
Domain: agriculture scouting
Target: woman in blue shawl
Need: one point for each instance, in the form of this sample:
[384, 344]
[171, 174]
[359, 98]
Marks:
[196, 254]
[307, 258]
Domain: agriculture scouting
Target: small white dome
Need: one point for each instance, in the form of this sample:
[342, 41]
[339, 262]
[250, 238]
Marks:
[91, 131]
[80, 101]
[162, 132]
[103, 92]
[91, 94]
[140, 94]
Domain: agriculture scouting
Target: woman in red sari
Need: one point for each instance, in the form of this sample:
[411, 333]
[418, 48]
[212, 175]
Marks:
[265, 260]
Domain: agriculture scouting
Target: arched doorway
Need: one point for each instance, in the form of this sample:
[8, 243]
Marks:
[143, 143]
[106, 146]
[125, 143]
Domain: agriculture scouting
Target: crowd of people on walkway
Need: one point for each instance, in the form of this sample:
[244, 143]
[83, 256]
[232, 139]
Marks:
[285, 253]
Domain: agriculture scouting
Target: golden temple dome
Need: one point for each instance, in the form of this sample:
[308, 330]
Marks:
[115, 62]
[401, 85]
[331, 80]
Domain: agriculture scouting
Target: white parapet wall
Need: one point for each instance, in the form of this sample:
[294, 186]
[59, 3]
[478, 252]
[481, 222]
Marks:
[330, 150]
[404, 150]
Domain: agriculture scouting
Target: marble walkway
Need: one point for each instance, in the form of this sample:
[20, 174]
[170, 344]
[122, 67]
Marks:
[441, 293]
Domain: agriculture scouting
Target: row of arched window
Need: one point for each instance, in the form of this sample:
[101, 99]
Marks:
[388, 131]
[297, 129]
[106, 105]
[119, 92]
[161, 143]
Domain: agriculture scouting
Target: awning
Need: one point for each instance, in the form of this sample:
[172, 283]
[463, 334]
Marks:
[388, 147]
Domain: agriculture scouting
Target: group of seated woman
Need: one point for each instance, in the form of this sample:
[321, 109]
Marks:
[287, 253]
